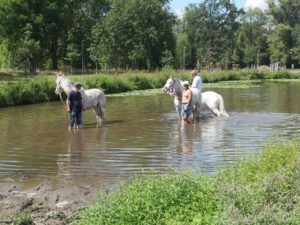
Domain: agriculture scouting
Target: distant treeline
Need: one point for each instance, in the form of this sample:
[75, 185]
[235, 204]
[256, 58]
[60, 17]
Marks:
[34, 89]
[77, 35]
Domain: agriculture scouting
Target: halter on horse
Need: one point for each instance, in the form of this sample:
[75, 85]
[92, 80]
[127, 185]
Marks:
[211, 99]
[92, 98]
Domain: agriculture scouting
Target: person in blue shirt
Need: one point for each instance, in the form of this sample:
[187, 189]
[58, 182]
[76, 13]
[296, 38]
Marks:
[197, 81]
[75, 106]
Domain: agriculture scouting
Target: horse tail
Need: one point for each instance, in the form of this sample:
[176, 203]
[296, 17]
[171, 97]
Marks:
[222, 107]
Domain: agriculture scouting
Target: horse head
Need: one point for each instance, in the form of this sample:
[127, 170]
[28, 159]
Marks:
[63, 84]
[169, 86]
[58, 82]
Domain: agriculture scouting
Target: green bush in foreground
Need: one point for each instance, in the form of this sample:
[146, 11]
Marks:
[262, 188]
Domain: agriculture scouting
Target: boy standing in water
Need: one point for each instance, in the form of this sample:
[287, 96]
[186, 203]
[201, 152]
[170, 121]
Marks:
[75, 106]
[186, 107]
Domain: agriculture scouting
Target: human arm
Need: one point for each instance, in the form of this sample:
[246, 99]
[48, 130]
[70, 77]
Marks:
[68, 105]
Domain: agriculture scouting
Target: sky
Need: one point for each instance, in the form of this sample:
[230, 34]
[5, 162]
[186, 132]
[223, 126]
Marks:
[178, 6]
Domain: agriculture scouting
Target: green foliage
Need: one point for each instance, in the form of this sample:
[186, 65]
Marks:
[167, 60]
[29, 90]
[22, 219]
[210, 28]
[183, 51]
[143, 34]
[261, 188]
[128, 37]
[251, 38]
[4, 56]
[171, 199]
[280, 45]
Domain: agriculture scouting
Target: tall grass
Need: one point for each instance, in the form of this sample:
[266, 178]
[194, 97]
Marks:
[18, 91]
[27, 91]
[262, 188]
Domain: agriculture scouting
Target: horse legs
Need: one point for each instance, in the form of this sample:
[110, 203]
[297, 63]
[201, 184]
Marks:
[178, 108]
[102, 112]
[196, 111]
[101, 108]
[216, 112]
[96, 112]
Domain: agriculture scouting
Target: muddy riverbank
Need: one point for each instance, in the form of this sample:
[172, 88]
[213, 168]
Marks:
[44, 203]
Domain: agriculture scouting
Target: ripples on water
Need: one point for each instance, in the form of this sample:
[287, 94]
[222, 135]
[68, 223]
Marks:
[141, 134]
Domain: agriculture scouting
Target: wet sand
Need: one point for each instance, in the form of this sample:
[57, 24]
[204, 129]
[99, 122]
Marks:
[45, 204]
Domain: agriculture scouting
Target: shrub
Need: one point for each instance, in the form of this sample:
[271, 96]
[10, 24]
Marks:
[261, 188]
[22, 219]
[41, 88]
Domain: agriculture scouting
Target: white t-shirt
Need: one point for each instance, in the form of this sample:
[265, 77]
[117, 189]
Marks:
[197, 83]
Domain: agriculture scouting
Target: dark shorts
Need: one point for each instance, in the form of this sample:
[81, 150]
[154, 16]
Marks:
[75, 116]
[186, 110]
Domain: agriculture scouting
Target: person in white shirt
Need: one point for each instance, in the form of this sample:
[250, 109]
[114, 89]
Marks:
[197, 82]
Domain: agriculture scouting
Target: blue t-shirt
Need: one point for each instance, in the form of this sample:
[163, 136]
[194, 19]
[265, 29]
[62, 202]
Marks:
[75, 99]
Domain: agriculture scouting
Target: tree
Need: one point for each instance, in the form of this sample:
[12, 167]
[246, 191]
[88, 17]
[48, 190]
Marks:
[295, 51]
[48, 21]
[284, 39]
[210, 28]
[28, 50]
[285, 11]
[279, 44]
[251, 37]
[134, 33]
[183, 52]
[84, 15]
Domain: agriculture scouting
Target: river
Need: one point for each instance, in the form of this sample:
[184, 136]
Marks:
[142, 134]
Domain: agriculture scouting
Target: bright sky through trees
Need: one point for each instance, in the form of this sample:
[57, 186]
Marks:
[177, 6]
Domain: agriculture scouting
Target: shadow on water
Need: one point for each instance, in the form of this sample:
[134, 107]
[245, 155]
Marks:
[94, 125]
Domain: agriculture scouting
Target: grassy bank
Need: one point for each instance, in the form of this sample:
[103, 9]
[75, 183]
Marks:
[26, 90]
[261, 188]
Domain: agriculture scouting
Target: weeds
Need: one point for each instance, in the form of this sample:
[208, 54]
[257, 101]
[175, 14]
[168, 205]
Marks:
[41, 88]
[22, 219]
[261, 188]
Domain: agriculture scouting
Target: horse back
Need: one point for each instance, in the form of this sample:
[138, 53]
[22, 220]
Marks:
[196, 97]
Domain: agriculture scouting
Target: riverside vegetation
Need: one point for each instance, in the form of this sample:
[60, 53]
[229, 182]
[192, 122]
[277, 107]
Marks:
[260, 188]
[27, 90]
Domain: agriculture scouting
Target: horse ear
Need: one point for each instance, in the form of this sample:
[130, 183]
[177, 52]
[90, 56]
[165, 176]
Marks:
[59, 74]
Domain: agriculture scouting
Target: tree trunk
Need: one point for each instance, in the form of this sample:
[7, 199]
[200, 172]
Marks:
[32, 70]
[53, 55]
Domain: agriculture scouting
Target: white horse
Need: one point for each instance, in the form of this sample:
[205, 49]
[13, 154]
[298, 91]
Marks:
[211, 99]
[91, 98]
[175, 87]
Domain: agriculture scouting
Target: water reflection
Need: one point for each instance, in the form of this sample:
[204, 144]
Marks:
[77, 164]
[198, 143]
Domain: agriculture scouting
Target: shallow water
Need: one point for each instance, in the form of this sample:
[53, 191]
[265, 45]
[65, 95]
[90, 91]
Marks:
[142, 134]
